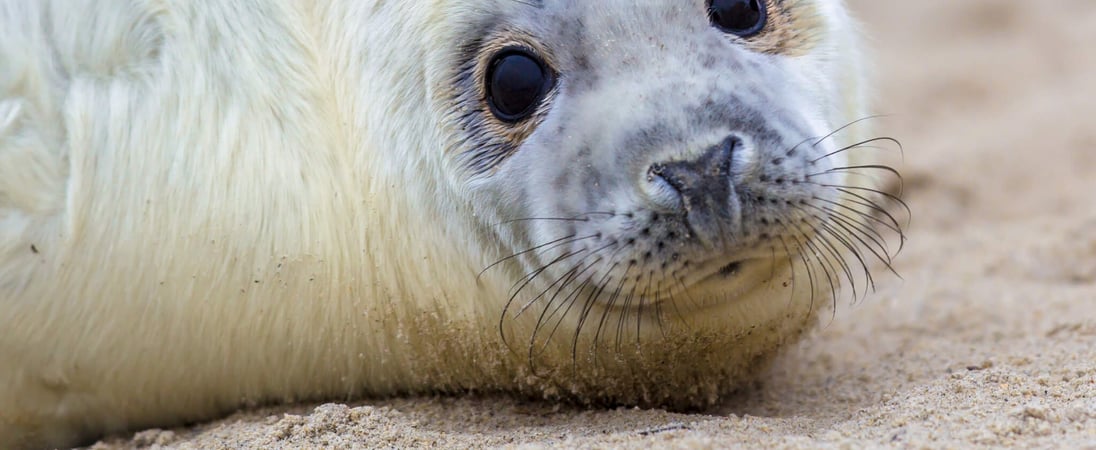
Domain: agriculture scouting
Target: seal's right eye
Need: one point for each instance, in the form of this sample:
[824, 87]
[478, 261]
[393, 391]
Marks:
[742, 18]
[517, 82]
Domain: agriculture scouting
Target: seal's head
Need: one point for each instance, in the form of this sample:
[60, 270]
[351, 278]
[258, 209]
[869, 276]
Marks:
[662, 171]
[611, 201]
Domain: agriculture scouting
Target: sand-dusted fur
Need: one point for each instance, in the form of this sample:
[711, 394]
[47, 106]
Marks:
[208, 205]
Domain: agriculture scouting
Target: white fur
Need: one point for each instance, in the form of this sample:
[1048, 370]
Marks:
[205, 204]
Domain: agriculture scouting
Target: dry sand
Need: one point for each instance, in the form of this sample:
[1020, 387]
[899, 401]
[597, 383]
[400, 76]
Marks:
[988, 340]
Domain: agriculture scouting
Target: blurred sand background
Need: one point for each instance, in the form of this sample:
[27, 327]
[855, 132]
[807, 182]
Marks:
[989, 340]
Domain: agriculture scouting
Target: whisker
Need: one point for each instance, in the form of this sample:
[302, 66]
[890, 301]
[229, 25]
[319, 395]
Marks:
[860, 144]
[584, 217]
[542, 219]
[658, 307]
[883, 258]
[567, 278]
[889, 196]
[646, 294]
[856, 227]
[550, 245]
[607, 308]
[627, 306]
[827, 268]
[584, 315]
[897, 228]
[569, 301]
[530, 302]
[684, 290]
[834, 253]
[892, 225]
[802, 250]
[791, 261]
[529, 277]
[542, 317]
[545, 291]
[842, 238]
[846, 126]
[525, 282]
[855, 169]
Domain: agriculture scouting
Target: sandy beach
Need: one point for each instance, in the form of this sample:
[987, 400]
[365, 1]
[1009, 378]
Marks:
[988, 339]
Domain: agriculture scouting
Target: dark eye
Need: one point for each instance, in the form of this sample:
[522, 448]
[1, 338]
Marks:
[743, 18]
[517, 82]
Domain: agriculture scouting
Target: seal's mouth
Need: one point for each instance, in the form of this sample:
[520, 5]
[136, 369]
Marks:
[724, 273]
[729, 270]
[734, 278]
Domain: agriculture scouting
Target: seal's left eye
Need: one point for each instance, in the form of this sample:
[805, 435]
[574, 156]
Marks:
[517, 82]
[743, 18]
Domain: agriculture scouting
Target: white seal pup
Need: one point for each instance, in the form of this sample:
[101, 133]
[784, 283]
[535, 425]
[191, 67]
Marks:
[208, 205]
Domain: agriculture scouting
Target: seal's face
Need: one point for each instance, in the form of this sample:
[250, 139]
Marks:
[188, 206]
[634, 155]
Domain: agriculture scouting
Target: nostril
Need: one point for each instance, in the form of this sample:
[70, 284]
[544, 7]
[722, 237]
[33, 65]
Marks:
[662, 189]
[668, 175]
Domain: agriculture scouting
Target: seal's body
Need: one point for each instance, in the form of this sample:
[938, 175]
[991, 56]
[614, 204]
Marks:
[217, 204]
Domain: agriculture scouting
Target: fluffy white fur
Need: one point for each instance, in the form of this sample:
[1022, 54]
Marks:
[209, 204]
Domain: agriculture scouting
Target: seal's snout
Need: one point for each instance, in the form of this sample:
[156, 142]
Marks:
[698, 186]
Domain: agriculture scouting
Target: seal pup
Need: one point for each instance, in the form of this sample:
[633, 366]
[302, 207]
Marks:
[211, 205]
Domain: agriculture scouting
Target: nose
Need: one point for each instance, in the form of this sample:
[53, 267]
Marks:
[702, 185]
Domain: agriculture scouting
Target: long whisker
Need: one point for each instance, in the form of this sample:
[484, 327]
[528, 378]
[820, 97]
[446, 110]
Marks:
[544, 315]
[585, 314]
[819, 226]
[880, 253]
[848, 190]
[522, 283]
[853, 226]
[568, 301]
[802, 251]
[569, 276]
[856, 169]
[860, 145]
[892, 225]
[546, 246]
[584, 217]
[826, 265]
[791, 260]
[833, 233]
[607, 308]
[596, 251]
[846, 126]
[529, 277]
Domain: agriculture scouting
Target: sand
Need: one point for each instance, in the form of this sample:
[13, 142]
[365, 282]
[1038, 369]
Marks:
[987, 340]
